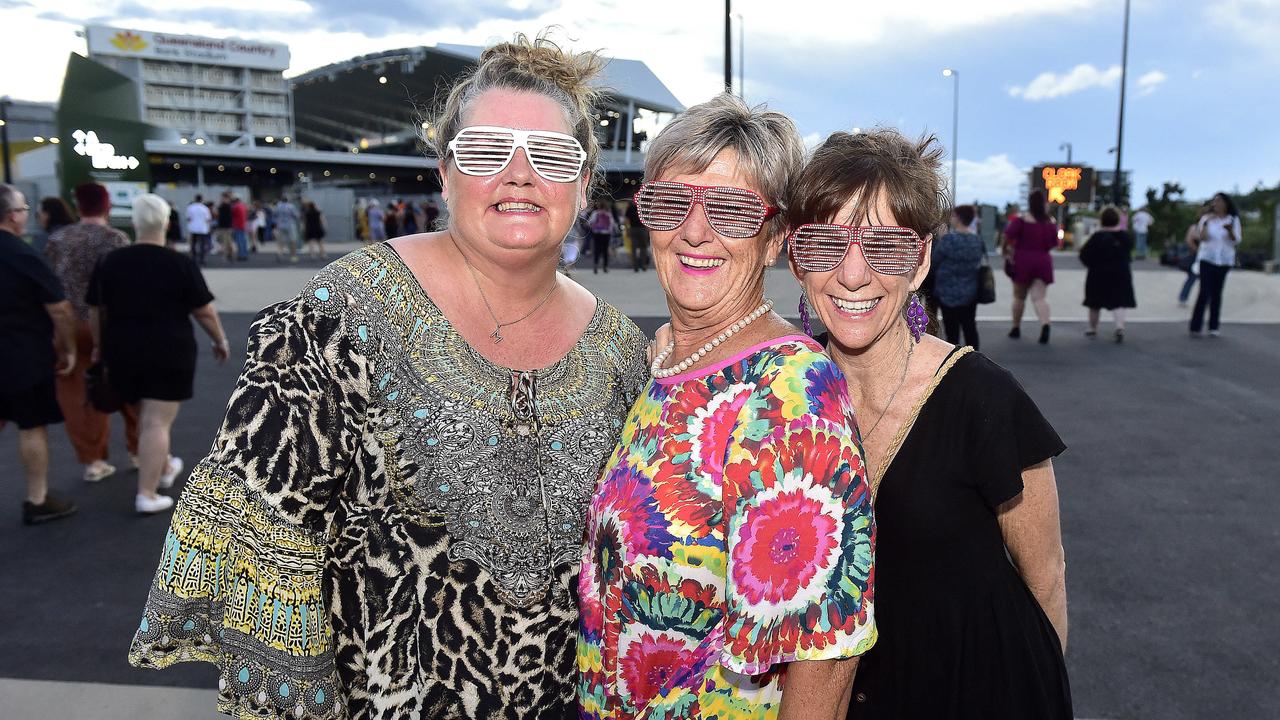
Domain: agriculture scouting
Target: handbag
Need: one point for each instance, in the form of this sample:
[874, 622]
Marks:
[102, 396]
[986, 283]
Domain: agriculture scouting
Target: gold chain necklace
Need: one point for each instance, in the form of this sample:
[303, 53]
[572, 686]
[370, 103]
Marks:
[911, 348]
[496, 335]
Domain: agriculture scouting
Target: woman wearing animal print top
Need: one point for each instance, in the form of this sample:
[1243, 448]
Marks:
[389, 524]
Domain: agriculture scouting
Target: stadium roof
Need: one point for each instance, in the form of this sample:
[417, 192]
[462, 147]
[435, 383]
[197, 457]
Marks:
[375, 102]
[628, 79]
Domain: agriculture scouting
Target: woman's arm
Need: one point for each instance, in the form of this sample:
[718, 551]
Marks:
[1192, 238]
[1033, 534]
[207, 316]
[817, 689]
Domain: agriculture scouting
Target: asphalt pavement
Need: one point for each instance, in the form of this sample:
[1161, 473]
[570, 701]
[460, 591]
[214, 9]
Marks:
[1168, 499]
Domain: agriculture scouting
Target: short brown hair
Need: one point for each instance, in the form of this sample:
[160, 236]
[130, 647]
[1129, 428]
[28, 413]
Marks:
[848, 165]
[1110, 216]
[537, 66]
[965, 214]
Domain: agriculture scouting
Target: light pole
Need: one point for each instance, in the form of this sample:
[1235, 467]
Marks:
[4, 137]
[742, 57]
[1118, 186]
[728, 46]
[955, 126]
[1062, 209]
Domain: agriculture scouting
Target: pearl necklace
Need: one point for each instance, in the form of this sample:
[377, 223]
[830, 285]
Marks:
[656, 368]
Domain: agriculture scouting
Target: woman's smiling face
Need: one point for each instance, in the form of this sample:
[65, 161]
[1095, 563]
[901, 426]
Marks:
[699, 268]
[516, 208]
[858, 305]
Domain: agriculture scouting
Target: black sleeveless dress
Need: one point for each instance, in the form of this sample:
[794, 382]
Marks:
[961, 635]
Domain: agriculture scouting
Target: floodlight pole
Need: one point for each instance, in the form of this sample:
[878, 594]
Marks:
[742, 57]
[955, 127]
[4, 138]
[1062, 209]
[1117, 187]
[728, 46]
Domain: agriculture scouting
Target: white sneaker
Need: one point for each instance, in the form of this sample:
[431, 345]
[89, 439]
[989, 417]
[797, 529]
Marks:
[150, 506]
[171, 472]
[98, 470]
[1214, 333]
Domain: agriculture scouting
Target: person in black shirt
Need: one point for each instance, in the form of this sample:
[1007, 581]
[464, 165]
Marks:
[1109, 281]
[32, 308]
[970, 580]
[314, 229]
[140, 298]
[223, 233]
[639, 238]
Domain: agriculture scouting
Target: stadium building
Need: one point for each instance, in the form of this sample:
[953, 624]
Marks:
[181, 115]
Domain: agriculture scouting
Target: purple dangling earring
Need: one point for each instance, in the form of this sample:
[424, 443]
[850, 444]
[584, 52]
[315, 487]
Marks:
[804, 314]
[917, 318]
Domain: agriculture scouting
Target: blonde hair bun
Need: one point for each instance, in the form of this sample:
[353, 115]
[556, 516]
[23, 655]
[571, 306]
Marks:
[543, 58]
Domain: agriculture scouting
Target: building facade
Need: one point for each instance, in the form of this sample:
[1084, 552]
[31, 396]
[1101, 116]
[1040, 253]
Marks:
[218, 90]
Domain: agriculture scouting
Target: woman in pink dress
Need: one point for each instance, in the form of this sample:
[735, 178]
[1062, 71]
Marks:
[1028, 241]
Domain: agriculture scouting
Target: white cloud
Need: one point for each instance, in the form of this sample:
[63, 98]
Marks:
[811, 140]
[1048, 85]
[1148, 83]
[1254, 23]
[993, 180]
[685, 54]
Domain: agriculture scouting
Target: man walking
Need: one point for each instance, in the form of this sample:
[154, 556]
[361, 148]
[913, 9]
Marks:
[1141, 222]
[239, 228]
[224, 234]
[32, 310]
[286, 232]
[198, 220]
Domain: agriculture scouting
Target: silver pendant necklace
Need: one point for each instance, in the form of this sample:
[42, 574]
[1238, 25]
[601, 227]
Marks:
[911, 348]
[496, 335]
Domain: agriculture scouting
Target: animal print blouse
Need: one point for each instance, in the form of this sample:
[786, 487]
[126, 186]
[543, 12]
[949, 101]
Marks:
[388, 525]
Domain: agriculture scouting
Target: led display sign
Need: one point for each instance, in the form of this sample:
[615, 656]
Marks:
[1064, 184]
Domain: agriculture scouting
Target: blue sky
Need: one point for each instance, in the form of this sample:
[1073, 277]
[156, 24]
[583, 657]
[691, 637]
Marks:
[1033, 75]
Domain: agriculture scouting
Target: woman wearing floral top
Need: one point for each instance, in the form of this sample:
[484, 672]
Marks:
[729, 546]
[390, 521]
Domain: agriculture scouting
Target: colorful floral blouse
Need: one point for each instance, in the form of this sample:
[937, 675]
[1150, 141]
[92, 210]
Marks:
[731, 533]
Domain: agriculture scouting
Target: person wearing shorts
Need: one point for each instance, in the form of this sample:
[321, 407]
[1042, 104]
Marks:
[32, 308]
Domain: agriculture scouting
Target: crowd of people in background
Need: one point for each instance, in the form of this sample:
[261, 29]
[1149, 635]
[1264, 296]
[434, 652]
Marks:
[375, 222]
[236, 230]
[605, 230]
[93, 325]
[1027, 241]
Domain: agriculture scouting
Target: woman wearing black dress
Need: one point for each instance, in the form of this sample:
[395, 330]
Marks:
[314, 227]
[140, 297]
[1109, 281]
[970, 589]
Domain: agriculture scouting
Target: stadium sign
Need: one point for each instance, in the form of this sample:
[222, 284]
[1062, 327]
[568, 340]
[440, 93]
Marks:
[102, 155]
[103, 40]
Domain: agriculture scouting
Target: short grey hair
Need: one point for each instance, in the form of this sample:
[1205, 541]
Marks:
[150, 214]
[8, 199]
[768, 145]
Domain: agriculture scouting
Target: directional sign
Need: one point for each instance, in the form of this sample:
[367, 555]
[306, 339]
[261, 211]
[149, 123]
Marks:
[1064, 184]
